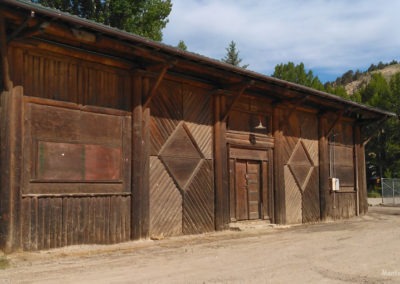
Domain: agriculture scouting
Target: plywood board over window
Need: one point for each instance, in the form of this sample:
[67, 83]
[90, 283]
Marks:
[69, 149]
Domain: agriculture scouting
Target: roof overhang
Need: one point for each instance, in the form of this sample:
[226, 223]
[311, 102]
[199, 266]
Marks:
[49, 25]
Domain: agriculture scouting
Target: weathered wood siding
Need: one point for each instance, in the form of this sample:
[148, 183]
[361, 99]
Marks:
[50, 222]
[253, 144]
[342, 165]
[299, 158]
[51, 76]
[76, 189]
[181, 164]
[72, 106]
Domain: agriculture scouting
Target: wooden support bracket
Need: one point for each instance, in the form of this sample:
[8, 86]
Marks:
[366, 138]
[295, 105]
[339, 116]
[242, 88]
[159, 79]
[17, 31]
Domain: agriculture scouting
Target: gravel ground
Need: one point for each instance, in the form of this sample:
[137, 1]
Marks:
[360, 250]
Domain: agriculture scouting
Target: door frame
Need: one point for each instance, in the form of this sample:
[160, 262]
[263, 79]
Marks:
[264, 157]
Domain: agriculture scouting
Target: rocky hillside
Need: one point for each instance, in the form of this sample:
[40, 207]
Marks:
[364, 79]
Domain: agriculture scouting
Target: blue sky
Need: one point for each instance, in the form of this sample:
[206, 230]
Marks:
[328, 36]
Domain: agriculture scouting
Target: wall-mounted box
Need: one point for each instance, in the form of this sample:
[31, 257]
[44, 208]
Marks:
[334, 184]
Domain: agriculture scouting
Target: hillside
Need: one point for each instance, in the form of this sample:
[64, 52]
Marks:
[364, 79]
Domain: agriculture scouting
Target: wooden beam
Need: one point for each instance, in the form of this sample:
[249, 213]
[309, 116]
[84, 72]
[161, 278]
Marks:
[356, 139]
[17, 31]
[140, 205]
[159, 79]
[278, 168]
[8, 84]
[365, 138]
[324, 191]
[295, 106]
[10, 169]
[30, 32]
[221, 177]
[235, 99]
[338, 117]
[362, 179]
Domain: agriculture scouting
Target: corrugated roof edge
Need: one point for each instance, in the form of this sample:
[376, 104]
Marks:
[37, 8]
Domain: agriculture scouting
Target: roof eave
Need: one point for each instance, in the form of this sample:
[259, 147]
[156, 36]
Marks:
[200, 59]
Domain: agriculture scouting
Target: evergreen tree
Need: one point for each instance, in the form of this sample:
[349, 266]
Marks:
[232, 56]
[383, 151]
[297, 74]
[181, 45]
[143, 17]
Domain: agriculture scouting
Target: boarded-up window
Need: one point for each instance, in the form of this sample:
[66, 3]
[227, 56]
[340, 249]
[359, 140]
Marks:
[68, 149]
[77, 162]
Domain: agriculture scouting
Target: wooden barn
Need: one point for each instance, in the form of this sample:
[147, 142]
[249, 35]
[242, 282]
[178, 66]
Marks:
[108, 137]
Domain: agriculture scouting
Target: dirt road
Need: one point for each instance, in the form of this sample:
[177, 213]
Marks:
[360, 250]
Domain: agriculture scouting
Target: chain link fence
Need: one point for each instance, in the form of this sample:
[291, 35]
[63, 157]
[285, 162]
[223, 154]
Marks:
[390, 191]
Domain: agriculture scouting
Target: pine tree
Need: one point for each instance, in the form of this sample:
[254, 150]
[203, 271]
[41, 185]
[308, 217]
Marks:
[232, 56]
[181, 45]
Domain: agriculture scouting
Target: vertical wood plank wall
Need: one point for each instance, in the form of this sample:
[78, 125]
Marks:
[55, 219]
[50, 222]
[343, 203]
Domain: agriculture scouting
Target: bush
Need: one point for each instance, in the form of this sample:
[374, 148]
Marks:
[374, 194]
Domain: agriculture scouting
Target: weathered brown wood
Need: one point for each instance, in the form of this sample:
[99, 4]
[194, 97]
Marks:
[248, 154]
[10, 161]
[323, 145]
[157, 83]
[52, 76]
[253, 180]
[294, 105]
[279, 183]
[73, 53]
[220, 166]
[253, 140]
[80, 132]
[198, 202]
[265, 192]
[140, 161]
[229, 107]
[232, 190]
[334, 123]
[50, 222]
[6, 79]
[361, 176]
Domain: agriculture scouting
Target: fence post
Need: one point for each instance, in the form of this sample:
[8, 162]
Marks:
[394, 200]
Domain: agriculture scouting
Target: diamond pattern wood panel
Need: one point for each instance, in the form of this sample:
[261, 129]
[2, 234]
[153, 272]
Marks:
[197, 109]
[165, 202]
[301, 169]
[181, 163]
[293, 199]
[198, 209]
[166, 113]
[311, 206]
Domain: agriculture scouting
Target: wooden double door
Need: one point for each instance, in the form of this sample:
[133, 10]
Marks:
[250, 199]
